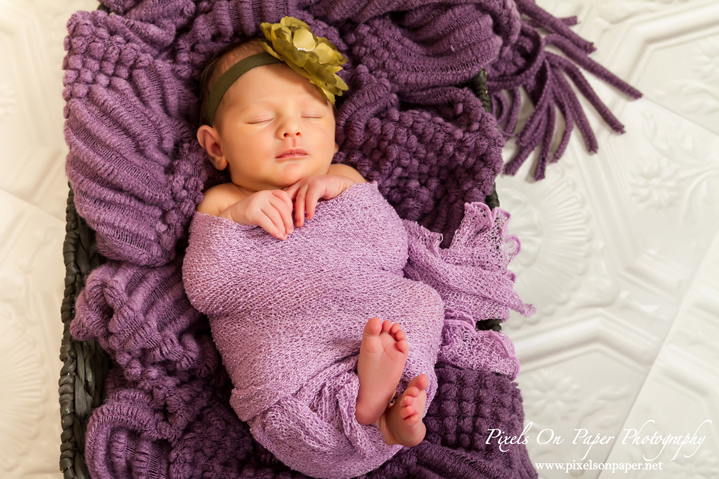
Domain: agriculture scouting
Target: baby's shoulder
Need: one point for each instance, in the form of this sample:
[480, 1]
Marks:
[218, 198]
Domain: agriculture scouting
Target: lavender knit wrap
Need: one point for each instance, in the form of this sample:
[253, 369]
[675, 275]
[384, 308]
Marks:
[287, 316]
[410, 121]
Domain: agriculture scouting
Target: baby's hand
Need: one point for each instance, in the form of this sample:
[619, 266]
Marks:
[270, 209]
[307, 191]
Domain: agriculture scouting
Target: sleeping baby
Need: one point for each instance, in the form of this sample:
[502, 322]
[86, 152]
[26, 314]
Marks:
[324, 305]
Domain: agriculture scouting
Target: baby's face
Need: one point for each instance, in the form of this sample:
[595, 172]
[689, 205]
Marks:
[271, 110]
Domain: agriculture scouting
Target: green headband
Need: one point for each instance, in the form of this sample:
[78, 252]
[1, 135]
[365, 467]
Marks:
[291, 41]
[229, 77]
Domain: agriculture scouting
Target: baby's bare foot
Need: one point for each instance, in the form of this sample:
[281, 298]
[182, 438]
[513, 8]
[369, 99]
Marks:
[402, 422]
[383, 353]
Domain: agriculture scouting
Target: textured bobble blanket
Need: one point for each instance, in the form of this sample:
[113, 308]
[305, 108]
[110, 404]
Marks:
[287, 316]
[410, 119]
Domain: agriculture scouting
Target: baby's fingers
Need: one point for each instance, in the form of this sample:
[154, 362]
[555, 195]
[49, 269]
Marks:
[285, 195]
[292, 189]
[300, 206]
[283, 204]
[267, 224]
[314, 193]
[271, 221]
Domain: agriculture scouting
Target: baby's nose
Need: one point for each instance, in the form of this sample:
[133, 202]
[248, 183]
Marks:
[290, 127]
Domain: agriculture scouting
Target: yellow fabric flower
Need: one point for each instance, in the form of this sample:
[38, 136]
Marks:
[315, 58]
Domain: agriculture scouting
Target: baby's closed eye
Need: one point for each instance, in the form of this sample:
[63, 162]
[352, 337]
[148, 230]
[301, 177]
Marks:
[309, 116]
[259, 120]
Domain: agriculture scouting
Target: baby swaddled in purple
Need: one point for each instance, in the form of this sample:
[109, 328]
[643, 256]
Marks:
[287, 316]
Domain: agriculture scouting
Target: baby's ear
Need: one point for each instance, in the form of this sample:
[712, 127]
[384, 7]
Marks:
[209, 139]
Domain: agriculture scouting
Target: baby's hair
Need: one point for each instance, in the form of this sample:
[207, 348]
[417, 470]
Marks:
[218, 64]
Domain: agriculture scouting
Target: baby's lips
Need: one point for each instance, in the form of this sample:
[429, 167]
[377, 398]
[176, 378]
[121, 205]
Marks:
[292, 152]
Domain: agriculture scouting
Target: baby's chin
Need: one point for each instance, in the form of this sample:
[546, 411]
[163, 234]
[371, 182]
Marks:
[294, 172]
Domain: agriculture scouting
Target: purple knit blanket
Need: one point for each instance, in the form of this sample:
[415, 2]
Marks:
[287, 316]
[409, 120]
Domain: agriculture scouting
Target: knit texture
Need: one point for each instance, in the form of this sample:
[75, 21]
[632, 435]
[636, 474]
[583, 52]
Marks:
[408, 120]
[287, 317]
[129, 436]
[167, 412]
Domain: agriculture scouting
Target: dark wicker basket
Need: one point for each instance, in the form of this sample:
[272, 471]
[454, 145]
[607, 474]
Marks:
[85, 363]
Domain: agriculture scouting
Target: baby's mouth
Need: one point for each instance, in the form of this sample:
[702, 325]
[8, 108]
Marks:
[293, 153]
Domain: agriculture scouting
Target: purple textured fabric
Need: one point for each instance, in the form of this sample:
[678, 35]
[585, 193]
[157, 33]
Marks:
[168, 396]
[407, 120]
[287, 316]
[130, 436]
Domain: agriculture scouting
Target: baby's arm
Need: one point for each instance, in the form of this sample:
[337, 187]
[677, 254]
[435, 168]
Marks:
[272, 209]
[217, 199]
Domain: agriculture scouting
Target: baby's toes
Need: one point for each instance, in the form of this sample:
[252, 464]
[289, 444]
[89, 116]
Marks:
[411, 393]
[399, 335]
[409, 398]
[407, 411]
[373, 327]
[403, 346]
[421, 382]
[410, 419]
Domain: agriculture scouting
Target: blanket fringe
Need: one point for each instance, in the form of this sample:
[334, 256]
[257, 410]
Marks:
[541, 73]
